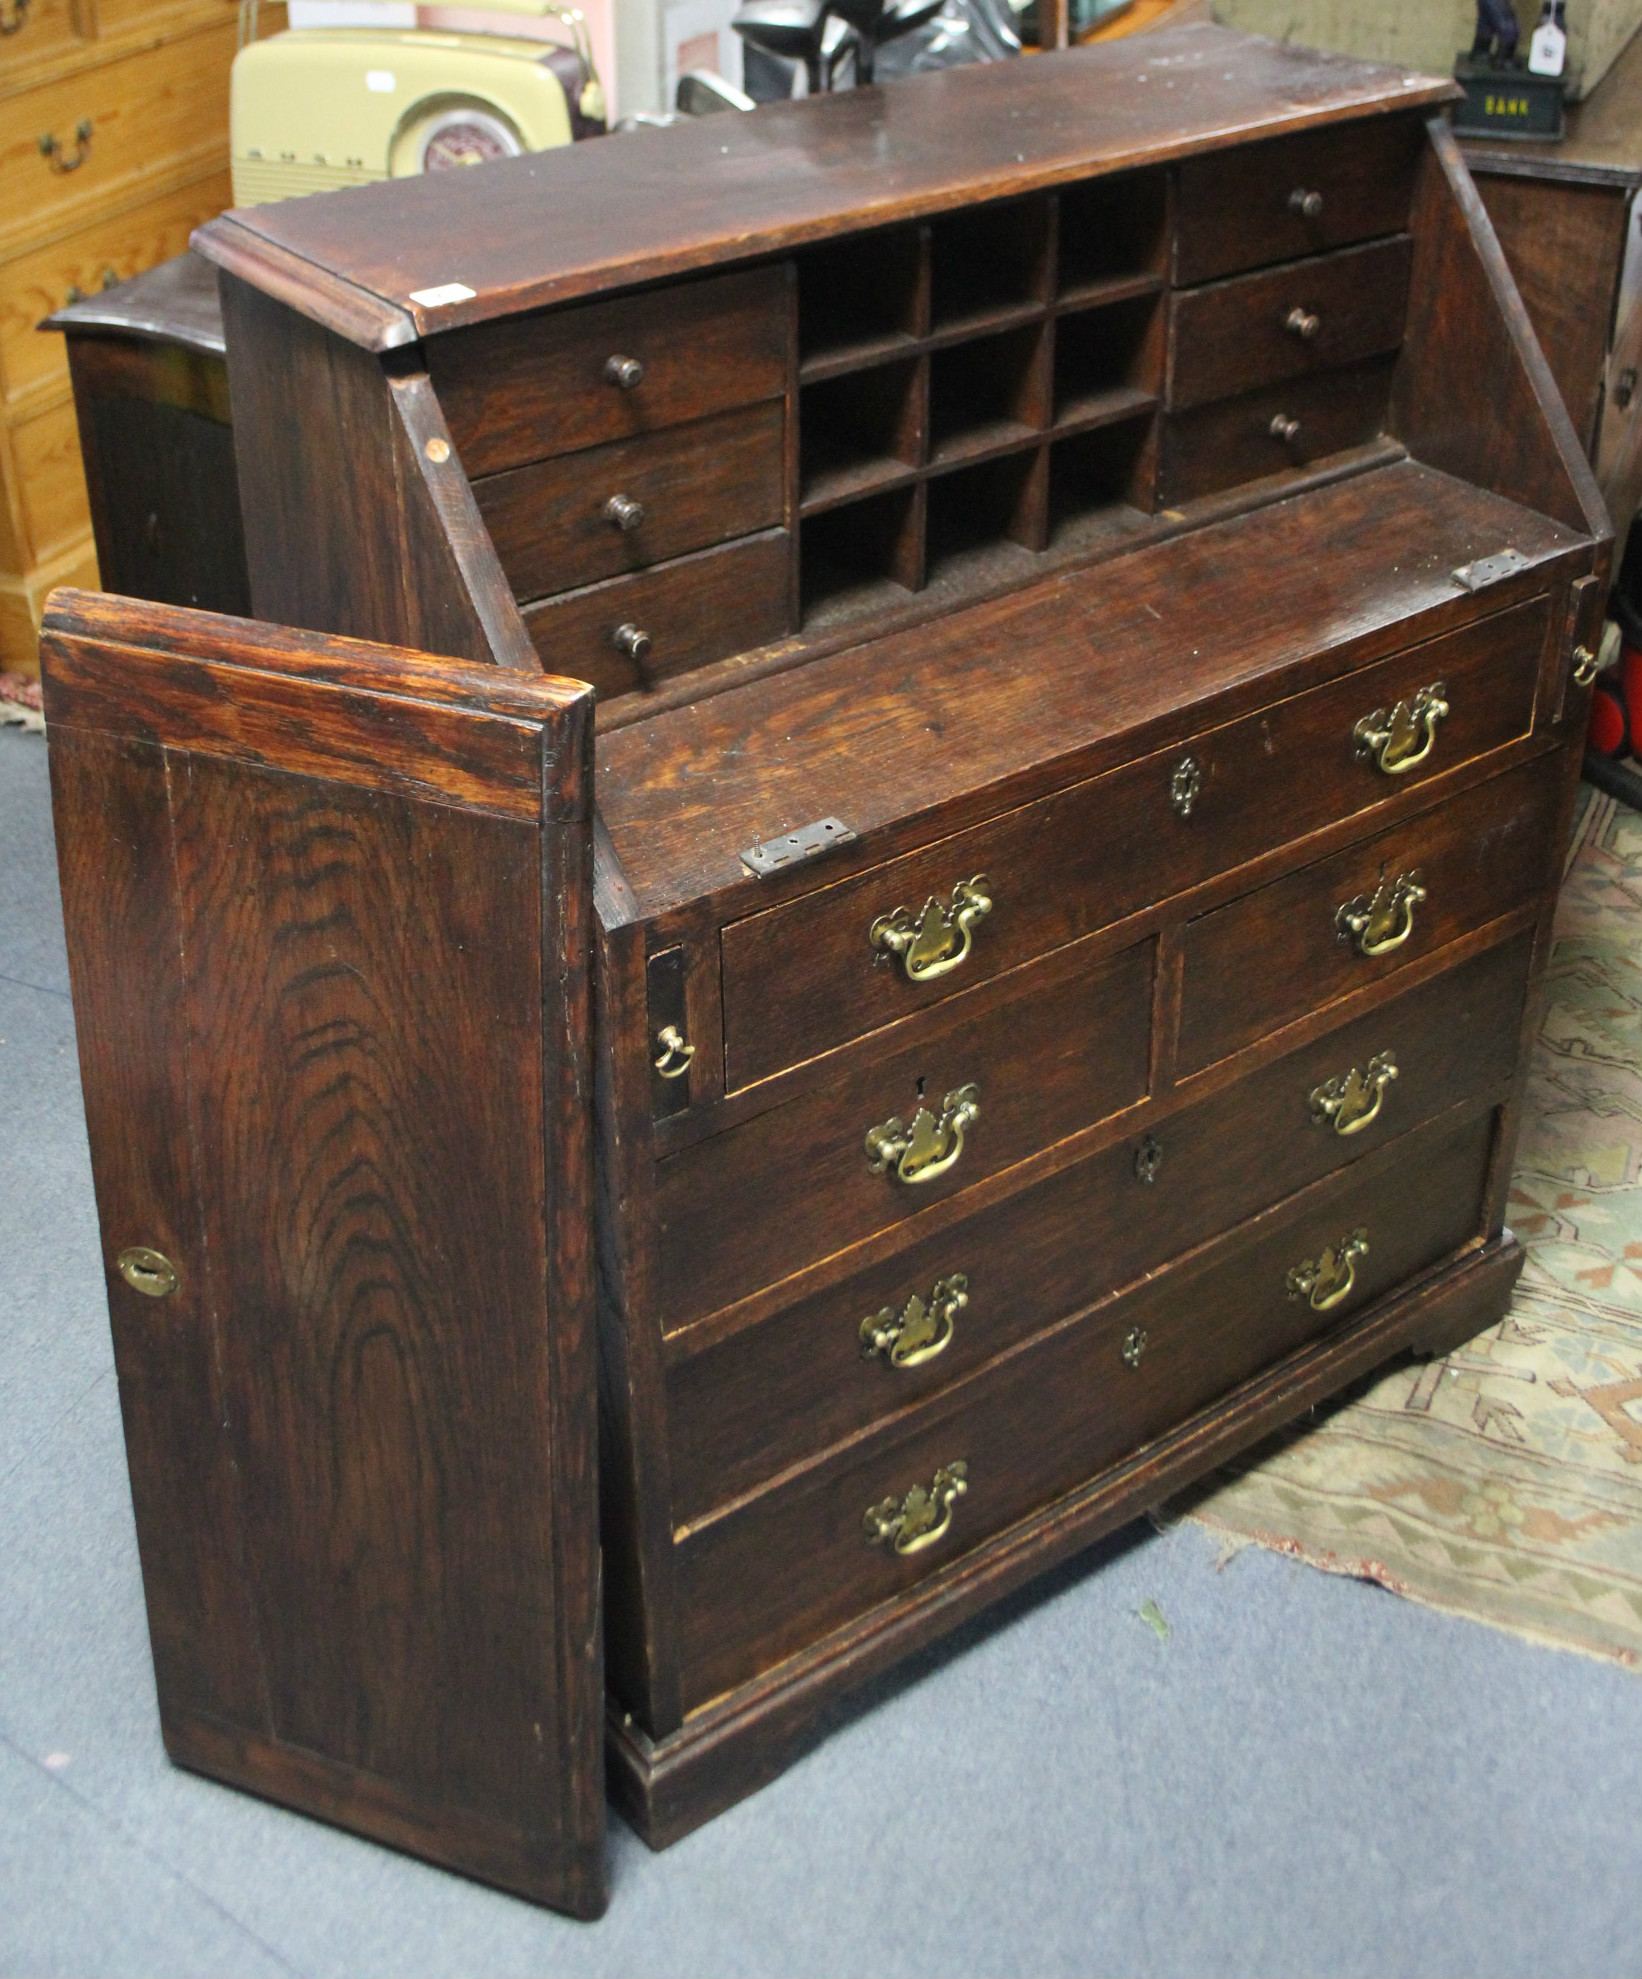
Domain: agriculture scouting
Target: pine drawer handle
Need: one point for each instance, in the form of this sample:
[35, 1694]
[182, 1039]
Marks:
[1352, 1102]
[1377, 923]
[922, 1329]
[922, 1518]
[940, 938]
[929, 1147]
[57, 157]
[1330, 1278]
[1400, 739]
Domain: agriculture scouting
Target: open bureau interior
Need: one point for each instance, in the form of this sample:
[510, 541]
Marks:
[869, 887]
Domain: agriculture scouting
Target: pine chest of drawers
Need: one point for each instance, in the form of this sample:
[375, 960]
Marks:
[1018, 988]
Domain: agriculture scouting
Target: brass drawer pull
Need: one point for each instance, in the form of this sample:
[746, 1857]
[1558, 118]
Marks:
[1307, 202]
[60, 160]
[1402, 739]
[1586, 666]
[939, 940]
[1377, 923]
[1283, 428]
[929, 1147]
[1352, 1102]
[625, 373]
[922, 1328]
[1302, 323]
[675, 1057]
[147, 1271]
[624, 512]
[922, 1517]
[1325, 1281]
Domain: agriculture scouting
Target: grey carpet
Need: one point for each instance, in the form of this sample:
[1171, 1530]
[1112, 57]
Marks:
[1308, 1776]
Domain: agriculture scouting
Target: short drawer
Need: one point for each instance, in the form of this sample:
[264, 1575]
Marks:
[1347, 921]
[776, 1574]
[1287, 322]
[631, 632]
[585, 516]
[145, 115]
[751, 1403]
[807, 975]
[1294, 195]
[564, 380]
[1284, 426]
[749, 1206]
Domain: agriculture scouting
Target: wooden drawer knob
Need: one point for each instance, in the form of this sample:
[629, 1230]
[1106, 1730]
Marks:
[626, 373]
[624, 512]
[634, 641]
[1307, 202]
[1302, 323]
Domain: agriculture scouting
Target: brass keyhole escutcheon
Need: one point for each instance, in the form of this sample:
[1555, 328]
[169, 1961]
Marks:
[921, 1330]
[1325, 1281]
[940, 938]
[922, 1517]
[1352, 1102]
[675, 1055]
[930, 1146]
[1185, 786]
[1135, 1342]
[1148, 1159]
[147, 1271]
[1400, 739]
[1377, 923]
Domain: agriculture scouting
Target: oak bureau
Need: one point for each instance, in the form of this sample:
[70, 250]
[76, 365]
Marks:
[1017, 987]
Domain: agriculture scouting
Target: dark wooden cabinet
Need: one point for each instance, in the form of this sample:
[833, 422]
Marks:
[1090, 595]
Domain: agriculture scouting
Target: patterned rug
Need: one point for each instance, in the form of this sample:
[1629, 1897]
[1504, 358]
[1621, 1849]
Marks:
[1505, 1483]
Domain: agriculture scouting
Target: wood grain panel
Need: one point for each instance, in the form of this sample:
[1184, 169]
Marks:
[1274, 954]
[696, 484]
[1236, 336]
[1236, 212]
[771, 1577]
[745, 1404]
[802, 977]
[533, 386]
[746, 1207]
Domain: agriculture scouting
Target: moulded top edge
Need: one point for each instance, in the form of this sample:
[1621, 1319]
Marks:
[416, 256]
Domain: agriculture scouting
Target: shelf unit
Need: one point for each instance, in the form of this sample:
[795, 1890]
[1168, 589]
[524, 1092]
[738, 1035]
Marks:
[972, 388]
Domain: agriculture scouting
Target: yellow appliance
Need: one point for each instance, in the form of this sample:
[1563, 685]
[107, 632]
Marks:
[319, 107]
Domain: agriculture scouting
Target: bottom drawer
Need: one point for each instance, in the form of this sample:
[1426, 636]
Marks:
[1289, 425]
[764, 1581]
[689, 612]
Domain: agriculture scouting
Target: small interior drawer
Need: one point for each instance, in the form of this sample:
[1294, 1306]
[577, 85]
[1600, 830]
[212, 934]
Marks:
[535, 386]
[631, 632]
[750, 1403]
[805, 976]
[1288, 948]
[1283, 426]
[581, 517]
[773, 1575]
[1287, 322]
[1294, 195]
[749, 1206]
